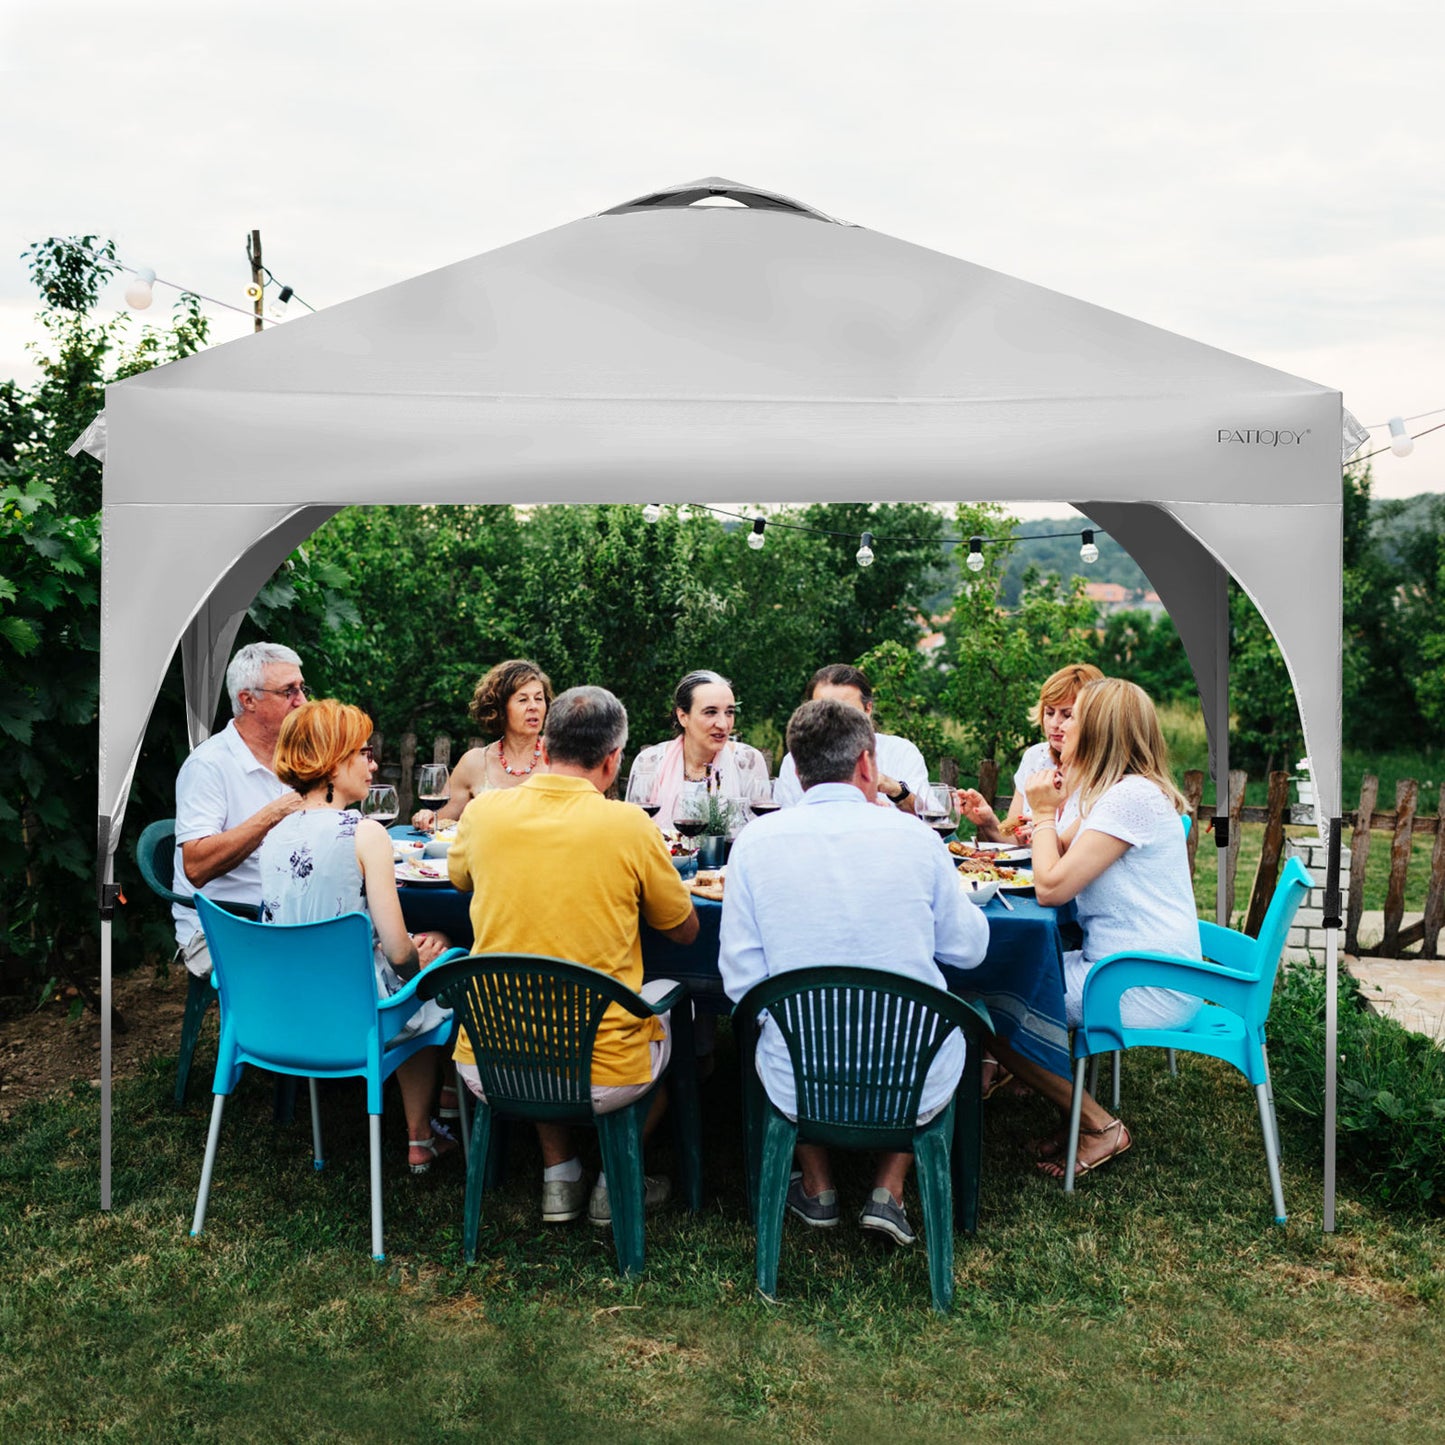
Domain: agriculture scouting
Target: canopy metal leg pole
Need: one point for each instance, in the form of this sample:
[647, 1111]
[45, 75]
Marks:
[1332, 923]
[105, 1010]
[1221, 744]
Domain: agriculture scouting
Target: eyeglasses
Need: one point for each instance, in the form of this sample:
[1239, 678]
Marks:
[296, 689]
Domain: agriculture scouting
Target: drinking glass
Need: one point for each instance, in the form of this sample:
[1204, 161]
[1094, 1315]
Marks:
[938, 807]
[433, 787]
[642, 790]
[761, 798]
[689, 817]
[380, 803]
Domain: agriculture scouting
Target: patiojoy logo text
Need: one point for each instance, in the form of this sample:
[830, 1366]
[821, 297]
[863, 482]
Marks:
[1263, 437]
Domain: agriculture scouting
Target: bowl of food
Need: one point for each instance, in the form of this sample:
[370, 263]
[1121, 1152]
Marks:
[437, 848]
[406, 851]
[977, 890]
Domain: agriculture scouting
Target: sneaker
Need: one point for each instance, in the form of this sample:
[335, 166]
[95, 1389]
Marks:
[599, 1210]
[884, 1214]
[819, 1210]
[563, 1200]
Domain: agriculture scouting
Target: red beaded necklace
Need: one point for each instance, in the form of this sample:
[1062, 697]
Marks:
[519, 772]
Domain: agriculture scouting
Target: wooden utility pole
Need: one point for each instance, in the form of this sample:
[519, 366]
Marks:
[258, 279]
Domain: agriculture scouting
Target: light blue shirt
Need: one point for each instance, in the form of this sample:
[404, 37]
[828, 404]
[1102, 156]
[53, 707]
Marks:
[840, 881]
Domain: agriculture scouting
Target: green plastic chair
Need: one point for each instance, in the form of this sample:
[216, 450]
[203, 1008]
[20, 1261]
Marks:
[861, 1042]
[1237, 977]
[532, 1022]
[155, 854]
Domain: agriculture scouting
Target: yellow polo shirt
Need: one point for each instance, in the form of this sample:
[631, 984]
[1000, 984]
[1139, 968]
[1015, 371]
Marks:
[558, 869]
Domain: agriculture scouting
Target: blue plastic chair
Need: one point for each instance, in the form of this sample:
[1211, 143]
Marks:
[861, 1041]
[532, 1022]
[1237, 977]
[155, 851]
[1115, 1069]
[300, 999]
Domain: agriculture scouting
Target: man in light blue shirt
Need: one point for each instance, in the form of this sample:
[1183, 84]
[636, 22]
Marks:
[838, 880]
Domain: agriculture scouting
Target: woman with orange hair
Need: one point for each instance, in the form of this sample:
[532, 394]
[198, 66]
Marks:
[324, 860]
[1055, 707]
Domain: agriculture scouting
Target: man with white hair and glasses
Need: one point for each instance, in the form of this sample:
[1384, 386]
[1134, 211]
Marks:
[227, 796]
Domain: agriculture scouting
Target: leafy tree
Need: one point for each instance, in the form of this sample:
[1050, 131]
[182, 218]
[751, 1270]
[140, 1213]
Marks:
[905, 688]
[1146, 650]
[998, 657]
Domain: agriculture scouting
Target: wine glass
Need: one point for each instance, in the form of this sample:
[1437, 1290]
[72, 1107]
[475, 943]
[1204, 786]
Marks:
[433, 788]
[642, 790]
[761, 798]
[381, 803]
[938, 807]
[689, 816]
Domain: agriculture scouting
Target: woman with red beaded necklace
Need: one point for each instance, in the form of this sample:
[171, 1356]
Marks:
[510, 705]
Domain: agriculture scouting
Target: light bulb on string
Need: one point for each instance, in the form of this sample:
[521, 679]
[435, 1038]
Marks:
[139, 293]
[683, 511]
[974, 560]
[1088, 553]
[865, 550]
[651, 512]
[756, 537]
[1401, 442]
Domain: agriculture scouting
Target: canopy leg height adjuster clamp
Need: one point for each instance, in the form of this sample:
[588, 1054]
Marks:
[110, 895]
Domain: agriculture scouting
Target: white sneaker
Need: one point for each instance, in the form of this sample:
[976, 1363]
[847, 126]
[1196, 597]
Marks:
[599, 1209]
[563, 1200]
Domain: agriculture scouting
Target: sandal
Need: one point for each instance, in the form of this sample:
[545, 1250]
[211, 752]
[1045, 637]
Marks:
[448, 1108]
[1122, 1143]
[994, 1076]
[437, 1145]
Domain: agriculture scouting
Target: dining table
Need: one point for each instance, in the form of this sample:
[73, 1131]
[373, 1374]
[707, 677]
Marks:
[1020, 979]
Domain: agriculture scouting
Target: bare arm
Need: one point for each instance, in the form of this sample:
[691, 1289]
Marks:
[1062, 869]
[373, 853]
[205, 859]
[972, 805]
[685, 931]
[467, 780]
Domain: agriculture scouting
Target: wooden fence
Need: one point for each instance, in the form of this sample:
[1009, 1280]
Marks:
[1402, 825]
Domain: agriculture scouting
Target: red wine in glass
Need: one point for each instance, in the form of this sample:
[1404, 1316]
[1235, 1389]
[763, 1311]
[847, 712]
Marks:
[761, 807]
[689, 827]
[650, 809]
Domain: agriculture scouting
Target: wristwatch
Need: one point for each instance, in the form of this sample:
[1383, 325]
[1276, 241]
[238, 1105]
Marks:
[902, 795]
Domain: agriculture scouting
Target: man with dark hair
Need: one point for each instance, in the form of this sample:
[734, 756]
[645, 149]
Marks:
[837, 881]
[560, 869]
[902, 772]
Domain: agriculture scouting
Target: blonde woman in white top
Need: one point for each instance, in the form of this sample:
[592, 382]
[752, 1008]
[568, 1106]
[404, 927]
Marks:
[1122, 859]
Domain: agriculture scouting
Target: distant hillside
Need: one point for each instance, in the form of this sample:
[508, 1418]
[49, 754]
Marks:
[1050, 553]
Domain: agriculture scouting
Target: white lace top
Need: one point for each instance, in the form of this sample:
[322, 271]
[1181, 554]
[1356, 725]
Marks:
[1145, 899]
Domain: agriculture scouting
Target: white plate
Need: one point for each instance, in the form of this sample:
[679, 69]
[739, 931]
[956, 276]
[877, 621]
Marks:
[435, 875]
[1022, 882]
[1004, 852]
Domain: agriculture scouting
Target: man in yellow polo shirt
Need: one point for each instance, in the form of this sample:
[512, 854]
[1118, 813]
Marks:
[559, 869]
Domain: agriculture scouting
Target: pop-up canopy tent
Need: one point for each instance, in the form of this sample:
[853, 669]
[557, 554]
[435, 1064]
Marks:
[676, 348]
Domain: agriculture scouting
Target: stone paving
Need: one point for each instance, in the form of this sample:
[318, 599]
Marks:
[1411, 991]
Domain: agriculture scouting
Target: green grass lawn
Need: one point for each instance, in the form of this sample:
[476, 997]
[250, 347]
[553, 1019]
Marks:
[1157, 1303]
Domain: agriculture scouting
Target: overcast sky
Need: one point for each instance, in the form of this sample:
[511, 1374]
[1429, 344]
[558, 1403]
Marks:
[1267, 180]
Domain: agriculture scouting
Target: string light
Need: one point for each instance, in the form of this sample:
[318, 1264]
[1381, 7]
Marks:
[1088, 553]
[865, 551]
[651, 512]
[1401, 442]
[974, 560]
[139, 293]
[756, 537]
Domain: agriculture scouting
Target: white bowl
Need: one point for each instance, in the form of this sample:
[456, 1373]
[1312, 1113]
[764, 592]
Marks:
[978, 890]
[406, 851]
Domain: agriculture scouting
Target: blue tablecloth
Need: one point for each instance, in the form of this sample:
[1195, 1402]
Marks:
[1021, 978]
